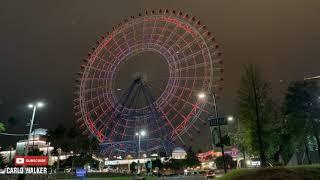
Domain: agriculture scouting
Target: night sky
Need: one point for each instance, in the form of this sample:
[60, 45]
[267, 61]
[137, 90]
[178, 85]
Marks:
[43, 42]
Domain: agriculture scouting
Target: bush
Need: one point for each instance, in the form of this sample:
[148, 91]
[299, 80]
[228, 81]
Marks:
[230, 163]
[283, 173]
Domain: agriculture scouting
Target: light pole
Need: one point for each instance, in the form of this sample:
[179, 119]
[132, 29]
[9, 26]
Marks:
[10, 156]
[48, 145]
[202, 96]
[139, 134]
[34, 107]
[59, 152]
[71, 152]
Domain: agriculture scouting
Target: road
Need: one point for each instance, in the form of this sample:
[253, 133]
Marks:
[195, 177]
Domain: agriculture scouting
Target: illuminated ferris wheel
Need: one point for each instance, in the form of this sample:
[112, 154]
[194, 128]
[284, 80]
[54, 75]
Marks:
[114, 100]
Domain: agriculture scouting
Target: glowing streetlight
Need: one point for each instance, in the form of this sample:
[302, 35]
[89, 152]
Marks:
[142, 133]
[230, 118]
[139, 134]
[36, 105]
[201, 95]
[40, 104]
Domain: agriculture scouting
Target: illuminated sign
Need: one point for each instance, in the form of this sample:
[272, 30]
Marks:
[24, 170]
[31, 161]
[80, 172]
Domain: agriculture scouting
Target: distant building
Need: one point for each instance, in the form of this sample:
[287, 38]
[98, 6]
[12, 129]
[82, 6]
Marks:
[179, 153]
[37, 140]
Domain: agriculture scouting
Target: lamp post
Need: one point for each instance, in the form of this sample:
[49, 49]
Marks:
[202, 96]
[59, 152]
[10, 156]
[48, 145]
[34, 107]
[139, 134]
[71, 152]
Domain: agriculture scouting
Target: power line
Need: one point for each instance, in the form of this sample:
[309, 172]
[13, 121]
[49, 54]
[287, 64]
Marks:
[310, 78]
[10, 134]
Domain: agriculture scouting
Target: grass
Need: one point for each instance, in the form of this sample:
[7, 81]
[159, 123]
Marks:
[309, 172]
[121, 178]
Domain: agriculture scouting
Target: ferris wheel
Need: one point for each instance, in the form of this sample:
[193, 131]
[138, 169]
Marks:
[122, 89]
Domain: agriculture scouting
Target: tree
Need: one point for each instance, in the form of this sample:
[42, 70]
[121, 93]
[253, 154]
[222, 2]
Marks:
[157, 163]
[237, 137]
[2, 164]
[12, 121]
[176, 164]
[256, 113]
[162, 154]
[80, 161]
[2, 128]
[133, 166]
[72, 140]
[192, 159]
[73, 134]
[57, 136]
[35, 152]
[302, 110]
[60, 130]
[229, 162]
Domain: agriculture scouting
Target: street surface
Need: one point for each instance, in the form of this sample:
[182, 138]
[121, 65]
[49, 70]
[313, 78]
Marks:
[193, 177]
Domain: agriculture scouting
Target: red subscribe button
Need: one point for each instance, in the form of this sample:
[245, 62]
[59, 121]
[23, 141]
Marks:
[31, 161]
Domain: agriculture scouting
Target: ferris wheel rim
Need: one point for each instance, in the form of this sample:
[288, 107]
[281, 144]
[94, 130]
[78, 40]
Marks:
[95, 54]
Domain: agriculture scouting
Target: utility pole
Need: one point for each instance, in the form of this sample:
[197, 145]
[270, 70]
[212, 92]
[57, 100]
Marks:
[220, 136]
[30, 129]
[259, 130]
[202, 96]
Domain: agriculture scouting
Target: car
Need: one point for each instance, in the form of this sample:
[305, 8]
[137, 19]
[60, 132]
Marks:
[211, 175]
[139, 178]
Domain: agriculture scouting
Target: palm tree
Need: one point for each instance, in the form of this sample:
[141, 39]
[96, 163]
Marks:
[2, 128]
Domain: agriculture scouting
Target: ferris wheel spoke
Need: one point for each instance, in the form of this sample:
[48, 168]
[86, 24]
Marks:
[180, 38]
[96, 69]
[173, 107]
[152, 32]
[117, 113]
[131, 102]
[184, 100]
[162, 30]
[156, 115]
[190, 78]
[105, 61]
[131, 90]
[162, 112]
[194, 41]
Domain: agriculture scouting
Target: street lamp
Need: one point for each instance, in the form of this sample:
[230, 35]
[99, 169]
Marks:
[48, 146]
[230, 118]
[33, 106]
[71, 152]
[139, 134]
[202, 95]
[58, 162]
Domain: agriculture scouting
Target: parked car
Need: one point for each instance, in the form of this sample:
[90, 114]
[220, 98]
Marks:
[210, 175]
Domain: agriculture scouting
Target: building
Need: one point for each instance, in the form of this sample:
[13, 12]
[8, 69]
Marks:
[37, 140]
[178, 153]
